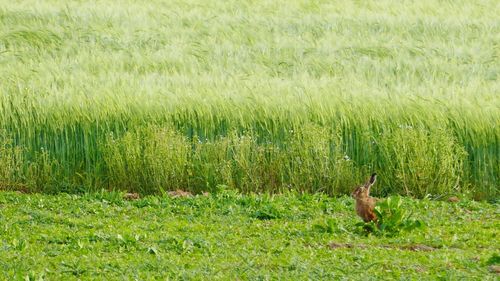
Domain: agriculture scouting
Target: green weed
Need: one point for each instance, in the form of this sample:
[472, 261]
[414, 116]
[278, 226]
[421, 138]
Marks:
[392, 219]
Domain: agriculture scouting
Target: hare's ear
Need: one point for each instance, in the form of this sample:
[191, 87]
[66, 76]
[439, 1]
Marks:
[371, 181]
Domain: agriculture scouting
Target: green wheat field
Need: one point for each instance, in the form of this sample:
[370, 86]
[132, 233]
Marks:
[261, 98]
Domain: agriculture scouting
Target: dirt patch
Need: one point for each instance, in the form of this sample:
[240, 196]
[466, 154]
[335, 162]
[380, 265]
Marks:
[179, 193]
[339, 245]
[415, 248]
[19, 189]
[131, 196]
[418, 248]
[334, 246]
[453, 199]
[494, 269]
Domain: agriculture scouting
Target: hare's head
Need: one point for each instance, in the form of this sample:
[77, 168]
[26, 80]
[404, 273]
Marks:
[360, 192]
[364, 190]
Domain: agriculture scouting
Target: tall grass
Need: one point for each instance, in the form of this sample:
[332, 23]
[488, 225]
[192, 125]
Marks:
[259, 96]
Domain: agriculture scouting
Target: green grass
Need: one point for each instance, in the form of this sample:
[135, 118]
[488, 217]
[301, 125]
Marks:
[230, 236]
[256, 95]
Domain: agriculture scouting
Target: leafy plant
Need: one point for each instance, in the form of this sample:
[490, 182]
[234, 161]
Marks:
[493, 260]
[392, 219]
[267, 212]
[330, 226]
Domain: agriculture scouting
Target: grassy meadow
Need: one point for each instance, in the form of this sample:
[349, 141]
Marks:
[229, 236]
[261, 96]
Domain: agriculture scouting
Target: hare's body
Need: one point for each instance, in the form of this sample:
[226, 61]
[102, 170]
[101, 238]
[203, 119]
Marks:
[365, 204]
[364, 209]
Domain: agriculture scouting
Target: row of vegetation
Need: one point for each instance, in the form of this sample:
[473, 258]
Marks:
[255, 96]
[246, 237]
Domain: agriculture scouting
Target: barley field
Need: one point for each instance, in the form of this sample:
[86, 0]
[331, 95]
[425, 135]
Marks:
[259, 96]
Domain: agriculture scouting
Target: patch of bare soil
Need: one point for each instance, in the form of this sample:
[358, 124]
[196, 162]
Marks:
[179, 193]
[131, 196]
[334, 246]
[418, 248]
[18, 188]
[414, 248]
[494, 268]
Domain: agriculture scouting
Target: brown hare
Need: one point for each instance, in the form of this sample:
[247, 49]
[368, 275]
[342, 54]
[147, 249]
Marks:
[364, 202]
